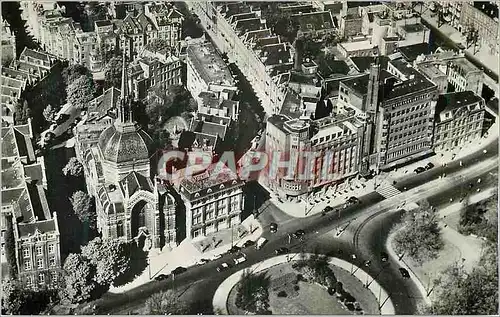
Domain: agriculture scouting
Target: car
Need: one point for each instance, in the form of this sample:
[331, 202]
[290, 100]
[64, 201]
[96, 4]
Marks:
[353, 200]
[367, 263]
[429, 166]
[384, 256]
[240, 259]
[248, 243]
[300, 233]
[224, 266]
[281, 251]
[294, 235]
[161, 277]
[202, 261]
[260, 243]
[179, 270]
[419, 170]
[63, 117]
[216, 257]
[404, 272]
[234, 249]
[328, 209]
[273, 227]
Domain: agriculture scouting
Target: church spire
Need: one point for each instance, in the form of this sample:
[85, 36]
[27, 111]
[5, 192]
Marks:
[124, 106]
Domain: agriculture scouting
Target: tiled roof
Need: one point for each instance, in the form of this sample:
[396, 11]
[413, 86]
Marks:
[135, 182]
[455, 100]
[208, 128]
[276, 54]
[101, 105]
[314, 21]
[45, 226]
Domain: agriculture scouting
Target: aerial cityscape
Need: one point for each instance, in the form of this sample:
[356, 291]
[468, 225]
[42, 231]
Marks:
[229, 157]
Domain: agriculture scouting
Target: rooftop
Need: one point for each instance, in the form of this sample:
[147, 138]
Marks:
[314, 21]
[488, 8]
[358, 84]
[208, 128]
[210, 181]
[363, 63]
[411, 52]
[455, 100]
[357, 46]
[209, 64]
[328, 67]
[414, 28]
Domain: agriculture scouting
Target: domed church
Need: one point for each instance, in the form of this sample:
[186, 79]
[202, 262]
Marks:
[120, 173]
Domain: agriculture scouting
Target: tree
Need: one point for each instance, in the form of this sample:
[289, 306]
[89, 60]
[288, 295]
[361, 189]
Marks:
[158, 45]
[10, 247]
[253, 295]
[109, 257]
[420, 238]
[18, 300]
[73, 72]
[164, 303]
[83, 206]
[113, 73]
[73, 168]
[80, 92]
[78, 279]
[49, 113]
[458, 292]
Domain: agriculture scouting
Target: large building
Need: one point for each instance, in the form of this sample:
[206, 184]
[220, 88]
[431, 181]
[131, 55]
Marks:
[25, 212]
[214, 201]
[239, 31]
[459, 119]
[207, 72]
[120, 173]
[482, 17]
[336, 137]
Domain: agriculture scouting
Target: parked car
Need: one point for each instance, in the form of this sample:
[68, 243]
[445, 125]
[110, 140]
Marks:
[63, 117]
[179, 270]
[202, 261]
[240, 259]
[273, 227]
[234, 249]
[161, 277]
[300, 233]
[248, 243]
[327, 209]
[384, 256]
[281, 251]
[260, 243]
[367, 263]
[419, 170]
[404, 272]
[216, 257]
[224, 266]
[429, 166]
[353, 200]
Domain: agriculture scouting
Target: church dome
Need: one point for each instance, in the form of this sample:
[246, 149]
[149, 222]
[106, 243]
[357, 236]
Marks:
[125, 146]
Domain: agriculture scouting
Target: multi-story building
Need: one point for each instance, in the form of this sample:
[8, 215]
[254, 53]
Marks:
[135, 32]
[25, 211]
[411, 34]
[207, 72]
[481, 17]
[358, 48]
[131, 204]
[314, 24]
[214, 201]
[404, 119]
[154, 70]
[13, 85]
[336, 137]
[461, 73]
[459, 119]
[8, 43]
[351, 24]
[167, 21]
[209, 104]
[235, 28]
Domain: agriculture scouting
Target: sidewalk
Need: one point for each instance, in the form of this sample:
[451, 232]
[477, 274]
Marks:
[458, 247]
[336, 195]
[187, 254]
[221, 295]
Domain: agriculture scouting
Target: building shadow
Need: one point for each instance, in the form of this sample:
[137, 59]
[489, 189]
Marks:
[138, 263]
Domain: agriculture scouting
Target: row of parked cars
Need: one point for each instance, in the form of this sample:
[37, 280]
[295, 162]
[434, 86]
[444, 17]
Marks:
[421, 169]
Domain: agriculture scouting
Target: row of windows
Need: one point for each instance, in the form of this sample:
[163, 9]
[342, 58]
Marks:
[408, 150]
[408, 100]
[408, 110]
[449, 127]
[39, 250]
[39, 263]
[409, 118]
[408, 126]
[41, 279]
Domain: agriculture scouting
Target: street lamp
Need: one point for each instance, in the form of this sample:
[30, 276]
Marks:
[353, 256]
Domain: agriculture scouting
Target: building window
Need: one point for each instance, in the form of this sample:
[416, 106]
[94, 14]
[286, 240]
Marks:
[51, 249]
[39, 263]
[52, 261]
[119, 230]
[39, 250]
[29, 281]
[27, 265]
[41, 278]
[53, 277]
[26, 252]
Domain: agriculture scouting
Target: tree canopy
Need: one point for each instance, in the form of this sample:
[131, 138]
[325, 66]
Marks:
[109, 257]
[253, 294]
[73, 168]
[19, 300]
[80, 91]
[165, 303]
[420, 238]
[83, 205]
[49, 113]
[113, 73]
[78, 279]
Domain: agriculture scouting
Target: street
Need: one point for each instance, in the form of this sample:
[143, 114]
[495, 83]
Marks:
[404, 292]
